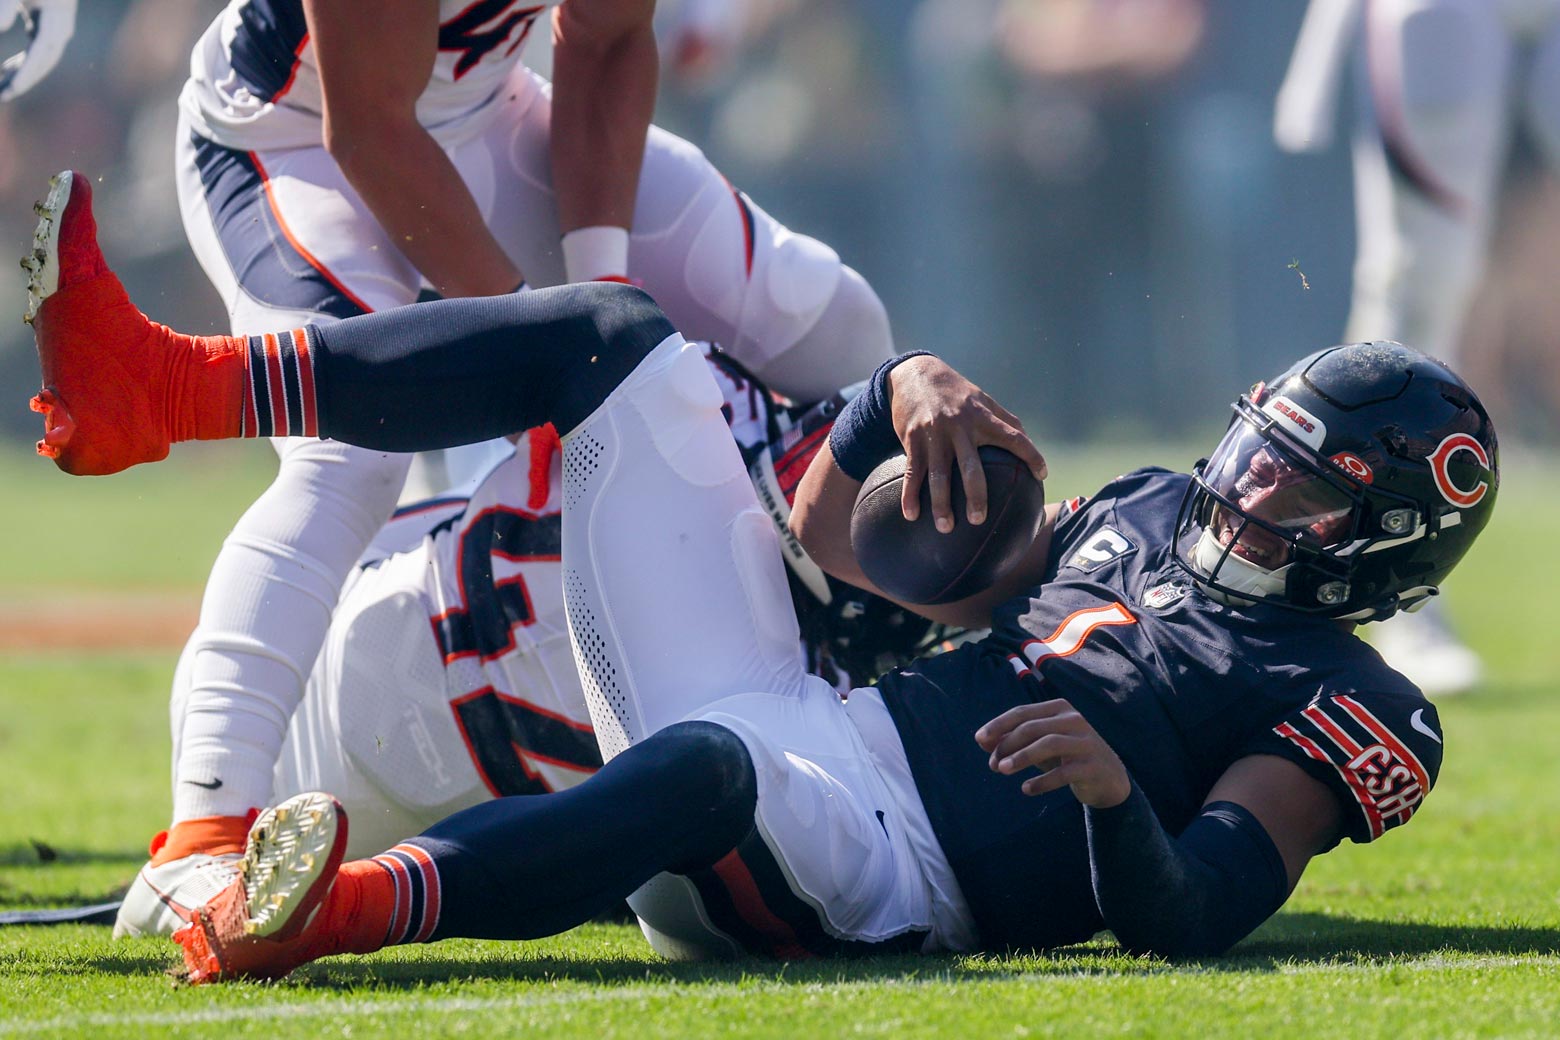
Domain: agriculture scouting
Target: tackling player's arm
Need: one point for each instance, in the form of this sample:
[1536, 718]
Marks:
[372, 71]
[605, 75]
[1194, 894]
[939, 419]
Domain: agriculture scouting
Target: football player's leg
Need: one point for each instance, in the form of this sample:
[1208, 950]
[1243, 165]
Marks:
[723, 270]
[513, 868]
[840, 858]
[269, 597]
[1427, 167]
[265, 614]
[118, 389]
[673, 581]
[189, 864]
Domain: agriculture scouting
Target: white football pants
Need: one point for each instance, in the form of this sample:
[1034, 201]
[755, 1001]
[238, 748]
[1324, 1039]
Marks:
[679, 609]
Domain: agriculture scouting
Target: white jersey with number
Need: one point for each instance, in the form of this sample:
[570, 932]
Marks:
[254, 82]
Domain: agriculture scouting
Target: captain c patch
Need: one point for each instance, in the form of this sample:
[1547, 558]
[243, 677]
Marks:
[1099, 548]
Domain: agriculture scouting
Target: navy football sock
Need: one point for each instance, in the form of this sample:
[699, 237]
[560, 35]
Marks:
[534, 865]
[450, 372]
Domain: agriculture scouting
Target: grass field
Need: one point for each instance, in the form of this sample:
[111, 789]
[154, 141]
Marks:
[1450, 927]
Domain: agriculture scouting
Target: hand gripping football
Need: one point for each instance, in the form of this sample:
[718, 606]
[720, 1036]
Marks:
[913, 562]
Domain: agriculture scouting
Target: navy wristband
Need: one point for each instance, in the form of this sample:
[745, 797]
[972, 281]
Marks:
[863, 435]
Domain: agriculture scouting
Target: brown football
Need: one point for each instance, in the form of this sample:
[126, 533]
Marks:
[913, 562]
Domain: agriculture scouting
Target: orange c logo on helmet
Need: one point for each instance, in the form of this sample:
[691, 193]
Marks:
[1442, 455]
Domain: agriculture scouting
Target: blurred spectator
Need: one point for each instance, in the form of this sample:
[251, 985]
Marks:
[1444, 87]
[1110, 45]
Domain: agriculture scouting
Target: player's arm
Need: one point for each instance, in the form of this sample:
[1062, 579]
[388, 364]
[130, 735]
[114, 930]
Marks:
[373, 68]
[1193, 894]
[605, 74]
[939, 419]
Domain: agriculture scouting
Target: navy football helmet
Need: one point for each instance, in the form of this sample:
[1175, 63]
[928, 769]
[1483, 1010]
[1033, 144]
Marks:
[1349, 486]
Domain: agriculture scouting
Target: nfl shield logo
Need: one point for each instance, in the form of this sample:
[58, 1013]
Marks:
[1165, 594]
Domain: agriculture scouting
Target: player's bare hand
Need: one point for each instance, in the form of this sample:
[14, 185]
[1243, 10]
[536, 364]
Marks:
[942, 420]
[1054, 738]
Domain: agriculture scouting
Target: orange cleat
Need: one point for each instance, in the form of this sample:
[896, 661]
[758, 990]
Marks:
[259, 927]
[118, 388]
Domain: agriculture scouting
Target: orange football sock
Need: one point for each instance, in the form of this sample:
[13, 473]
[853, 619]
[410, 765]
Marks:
[357, 912]
[211, 835]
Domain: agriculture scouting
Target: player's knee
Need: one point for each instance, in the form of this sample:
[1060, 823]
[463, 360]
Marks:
[613, 327]
[629, 321]
[709, 759]
[706, 769]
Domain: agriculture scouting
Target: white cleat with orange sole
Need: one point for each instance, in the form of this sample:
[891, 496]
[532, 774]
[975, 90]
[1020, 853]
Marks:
[286, 872]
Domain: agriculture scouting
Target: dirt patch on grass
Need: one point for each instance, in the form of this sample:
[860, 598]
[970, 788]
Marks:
[91, 621]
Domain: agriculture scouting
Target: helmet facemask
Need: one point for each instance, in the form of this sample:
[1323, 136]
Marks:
[1268, 518]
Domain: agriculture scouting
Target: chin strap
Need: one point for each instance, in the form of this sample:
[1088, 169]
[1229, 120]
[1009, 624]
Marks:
[1405, 602]
[1234, 575]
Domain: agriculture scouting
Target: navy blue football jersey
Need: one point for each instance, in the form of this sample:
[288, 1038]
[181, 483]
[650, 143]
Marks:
[1179, 684]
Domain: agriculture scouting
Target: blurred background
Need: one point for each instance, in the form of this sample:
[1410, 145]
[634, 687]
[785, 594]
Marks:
[1077, 201]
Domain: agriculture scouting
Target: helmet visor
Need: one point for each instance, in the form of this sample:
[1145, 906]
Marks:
[1268, 498]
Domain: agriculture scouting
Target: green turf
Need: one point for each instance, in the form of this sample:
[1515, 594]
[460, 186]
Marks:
[151, 528]
[1449, 927]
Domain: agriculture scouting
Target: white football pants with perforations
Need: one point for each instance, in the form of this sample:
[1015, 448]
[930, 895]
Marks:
[721, 268]
[679, 609]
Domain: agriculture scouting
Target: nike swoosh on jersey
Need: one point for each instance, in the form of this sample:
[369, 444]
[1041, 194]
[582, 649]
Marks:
[1417, 720]
[210, 786]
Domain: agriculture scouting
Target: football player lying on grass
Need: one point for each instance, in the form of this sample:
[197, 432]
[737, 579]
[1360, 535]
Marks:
[447, 677]
[1170, 717]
